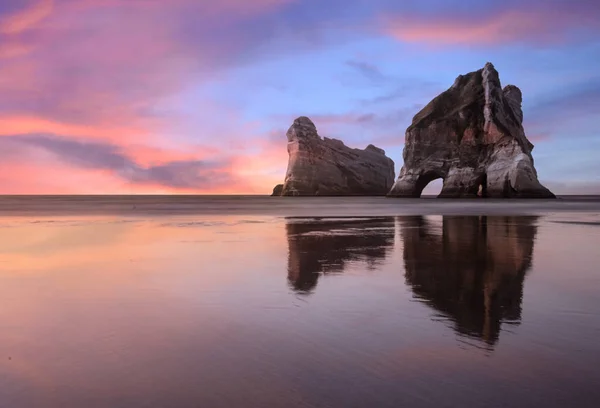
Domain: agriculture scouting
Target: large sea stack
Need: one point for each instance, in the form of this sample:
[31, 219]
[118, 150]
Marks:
[472, 137]
[327, 167]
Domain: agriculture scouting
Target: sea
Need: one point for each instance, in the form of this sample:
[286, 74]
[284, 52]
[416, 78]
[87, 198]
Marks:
[255, 301]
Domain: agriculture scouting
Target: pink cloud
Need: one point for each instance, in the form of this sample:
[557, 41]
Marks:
[97, 61]
[13, 49]
[16, 125]
[26, 17]
[539, 137]
[47, 164]
[542, 25]
[206, 7]
[52, 177]
[99, 71]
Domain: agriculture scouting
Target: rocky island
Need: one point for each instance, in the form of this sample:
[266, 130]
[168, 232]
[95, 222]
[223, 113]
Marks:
[472, 137]
[327, 167]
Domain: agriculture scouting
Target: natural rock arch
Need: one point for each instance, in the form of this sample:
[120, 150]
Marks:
[471, 135]
[424, 180]
[482, 187]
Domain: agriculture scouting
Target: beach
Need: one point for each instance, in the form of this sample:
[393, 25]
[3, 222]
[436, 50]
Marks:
[286, 302]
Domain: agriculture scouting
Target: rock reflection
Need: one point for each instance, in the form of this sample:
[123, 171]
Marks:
[470, 269]
[325, 245]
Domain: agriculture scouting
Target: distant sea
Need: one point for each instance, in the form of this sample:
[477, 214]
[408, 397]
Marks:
[141, 205]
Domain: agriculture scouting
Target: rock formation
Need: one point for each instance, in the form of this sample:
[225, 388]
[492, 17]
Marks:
[472, 137]
[277, 190]
[327, 167]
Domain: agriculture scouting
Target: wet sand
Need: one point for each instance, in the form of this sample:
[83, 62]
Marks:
[294, 305]
[133, 206]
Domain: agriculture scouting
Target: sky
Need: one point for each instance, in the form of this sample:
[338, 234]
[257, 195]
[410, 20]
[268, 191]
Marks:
[195, 96]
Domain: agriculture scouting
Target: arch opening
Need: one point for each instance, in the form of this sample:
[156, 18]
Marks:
[429, 184]
[482, 186]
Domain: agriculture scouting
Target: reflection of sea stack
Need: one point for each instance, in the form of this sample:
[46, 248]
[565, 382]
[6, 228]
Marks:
[472, 270]
[325, 246]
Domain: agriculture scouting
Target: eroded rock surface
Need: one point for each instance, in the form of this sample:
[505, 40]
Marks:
[472, 137]
[327, 167]
[277, 190]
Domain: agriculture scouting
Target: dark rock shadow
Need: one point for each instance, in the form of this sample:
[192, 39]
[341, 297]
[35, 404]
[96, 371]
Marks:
[470, 270]
[325, 246]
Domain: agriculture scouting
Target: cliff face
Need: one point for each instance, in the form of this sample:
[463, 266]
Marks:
[327, 167]
[472, 137]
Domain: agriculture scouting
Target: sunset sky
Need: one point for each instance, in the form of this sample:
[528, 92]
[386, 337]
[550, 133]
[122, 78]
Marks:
[195, 96]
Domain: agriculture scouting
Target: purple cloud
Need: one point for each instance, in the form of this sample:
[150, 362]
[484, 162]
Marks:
[183, 174]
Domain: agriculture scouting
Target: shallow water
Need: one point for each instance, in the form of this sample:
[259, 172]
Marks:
[101, 309]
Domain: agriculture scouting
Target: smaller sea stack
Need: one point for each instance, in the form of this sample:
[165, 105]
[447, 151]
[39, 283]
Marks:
[327, 167]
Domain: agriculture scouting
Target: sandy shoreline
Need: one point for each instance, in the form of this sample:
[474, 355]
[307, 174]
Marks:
[134, 206]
